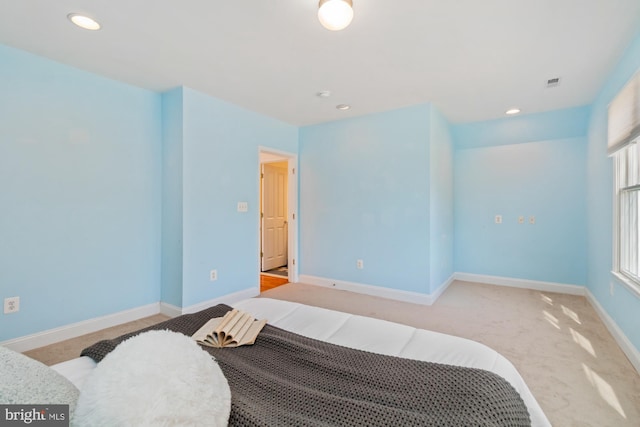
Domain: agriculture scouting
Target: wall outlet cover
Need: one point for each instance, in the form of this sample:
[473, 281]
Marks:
[11, 305]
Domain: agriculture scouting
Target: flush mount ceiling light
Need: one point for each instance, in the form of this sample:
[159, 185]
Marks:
[323, 94]
[343, 107]
[84, 21]
[512, 111]
[335, 15]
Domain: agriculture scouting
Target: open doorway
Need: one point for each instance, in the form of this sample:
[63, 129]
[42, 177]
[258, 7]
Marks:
[278, 232]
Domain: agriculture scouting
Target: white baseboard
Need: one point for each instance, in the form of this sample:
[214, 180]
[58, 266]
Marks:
[434, 296]
[174, 311]
[378, 291]
[225, 299]
[537, 285]
[627, 347]
[170, 309]
[51, 336]
[40, 339]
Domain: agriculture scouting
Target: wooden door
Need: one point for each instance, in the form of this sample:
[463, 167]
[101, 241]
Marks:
[274, 215]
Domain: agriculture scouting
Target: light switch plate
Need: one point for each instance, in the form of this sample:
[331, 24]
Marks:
[243, 207]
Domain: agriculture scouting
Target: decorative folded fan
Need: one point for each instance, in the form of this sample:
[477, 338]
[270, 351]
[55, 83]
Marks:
[234, 329]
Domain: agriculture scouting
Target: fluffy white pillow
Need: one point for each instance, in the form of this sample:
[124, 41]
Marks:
[157, 378]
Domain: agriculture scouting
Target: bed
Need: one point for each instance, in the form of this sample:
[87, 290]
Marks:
[369, 335]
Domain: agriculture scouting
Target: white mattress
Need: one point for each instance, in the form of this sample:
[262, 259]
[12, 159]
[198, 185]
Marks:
[368, 334]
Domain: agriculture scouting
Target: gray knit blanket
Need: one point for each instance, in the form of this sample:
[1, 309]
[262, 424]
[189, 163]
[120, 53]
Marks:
[285, 379]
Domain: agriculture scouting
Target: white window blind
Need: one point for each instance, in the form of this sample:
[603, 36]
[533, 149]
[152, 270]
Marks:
[624, 116]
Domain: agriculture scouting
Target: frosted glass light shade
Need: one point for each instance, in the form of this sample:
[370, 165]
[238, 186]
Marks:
[335, 15]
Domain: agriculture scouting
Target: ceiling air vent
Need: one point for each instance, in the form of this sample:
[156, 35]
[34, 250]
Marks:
[553, 82]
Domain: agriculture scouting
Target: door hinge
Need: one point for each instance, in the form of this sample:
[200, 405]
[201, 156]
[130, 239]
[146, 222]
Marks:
[293, 216]
[293, 171]
[261, 254]
[293, 261]
[261, 214]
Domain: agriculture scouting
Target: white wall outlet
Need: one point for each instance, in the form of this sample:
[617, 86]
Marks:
[360, 264]
[521, 219]
[532, 219]
[243, 207]
[213, 275]
[498, 219]
[11, 305]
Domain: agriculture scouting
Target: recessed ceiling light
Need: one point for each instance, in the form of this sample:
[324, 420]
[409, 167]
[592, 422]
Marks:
[512, 111]
[343, 107]
[324, 94]
[84, 21]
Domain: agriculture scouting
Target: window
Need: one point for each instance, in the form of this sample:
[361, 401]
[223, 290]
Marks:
[624, 146]
[628, 195]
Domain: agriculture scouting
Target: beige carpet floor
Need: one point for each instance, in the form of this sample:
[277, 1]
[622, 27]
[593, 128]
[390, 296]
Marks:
[571, 363]
[70, 349]
[568, 358]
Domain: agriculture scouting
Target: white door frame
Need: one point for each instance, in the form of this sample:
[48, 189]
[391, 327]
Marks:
[292, 207]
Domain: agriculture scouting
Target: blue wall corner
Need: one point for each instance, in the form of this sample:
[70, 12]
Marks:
[172, 187]
[441, 224]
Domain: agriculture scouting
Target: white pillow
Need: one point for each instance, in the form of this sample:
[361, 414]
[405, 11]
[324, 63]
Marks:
[27, 381]
[157, 378]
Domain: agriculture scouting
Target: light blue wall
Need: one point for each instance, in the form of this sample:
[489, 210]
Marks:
[440, 200]
[80, 194]
[364, 194]
[558, 124]
[623, 306]
[545, 179]
[172, 171]
[220, 169]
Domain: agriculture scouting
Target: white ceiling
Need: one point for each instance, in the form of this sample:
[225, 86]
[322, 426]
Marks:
[473, 59]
